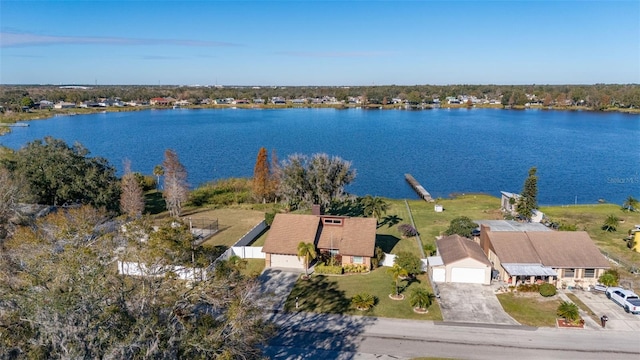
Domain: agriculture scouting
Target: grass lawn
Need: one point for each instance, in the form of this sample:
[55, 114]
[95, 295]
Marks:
[233, 223]
[332, 294]
[531, 309]
[254, 267]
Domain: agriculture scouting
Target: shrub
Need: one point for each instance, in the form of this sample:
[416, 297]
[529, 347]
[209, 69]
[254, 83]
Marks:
[408, 261]
[328, 269]
[407, 230]
[355, 268]
[609, 278]
[528, 288]
[547, 290]
[378, 258]
[363, 301]
[268, 218]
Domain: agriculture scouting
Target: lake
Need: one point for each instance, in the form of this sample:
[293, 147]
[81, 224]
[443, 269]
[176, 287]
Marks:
[581, 156]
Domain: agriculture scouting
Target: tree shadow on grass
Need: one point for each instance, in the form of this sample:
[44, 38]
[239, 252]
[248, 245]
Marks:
[318, 294]
[390, 220]
[386, 242]
[346, 208]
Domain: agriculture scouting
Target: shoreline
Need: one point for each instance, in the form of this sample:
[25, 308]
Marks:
[7, 119]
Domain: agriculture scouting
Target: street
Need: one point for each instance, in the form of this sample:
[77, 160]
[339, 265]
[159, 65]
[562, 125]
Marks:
[322, 336]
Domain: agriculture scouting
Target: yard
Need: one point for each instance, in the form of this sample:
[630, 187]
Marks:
[233, 223]
[531, 309]
[332, 294]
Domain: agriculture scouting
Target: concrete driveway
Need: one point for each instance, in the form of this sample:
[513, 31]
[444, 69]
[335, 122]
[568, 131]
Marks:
[600, 305]
[275, 286]
[472, 303]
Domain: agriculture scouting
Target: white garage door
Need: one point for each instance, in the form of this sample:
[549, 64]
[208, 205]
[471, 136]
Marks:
[438, 275]
[287, 261]
[467, 275]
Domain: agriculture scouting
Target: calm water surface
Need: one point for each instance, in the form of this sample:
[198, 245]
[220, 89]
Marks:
[579, 155]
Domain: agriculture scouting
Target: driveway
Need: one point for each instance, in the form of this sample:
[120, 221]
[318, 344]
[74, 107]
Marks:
[275, 286]
[472, 303]
[600, 305]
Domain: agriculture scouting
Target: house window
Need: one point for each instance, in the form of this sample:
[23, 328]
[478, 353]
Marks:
[569, 273]
[332, 221]
[334, 252]
[358, 260]
[589, 273]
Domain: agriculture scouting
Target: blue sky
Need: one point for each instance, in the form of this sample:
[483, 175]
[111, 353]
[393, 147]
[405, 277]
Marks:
[319, 42]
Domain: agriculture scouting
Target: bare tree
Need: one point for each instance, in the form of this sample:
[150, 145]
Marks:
[176, 188]
[131, 197]
[11, 192]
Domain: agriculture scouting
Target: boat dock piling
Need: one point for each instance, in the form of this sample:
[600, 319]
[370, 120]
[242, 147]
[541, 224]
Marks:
[424, 194]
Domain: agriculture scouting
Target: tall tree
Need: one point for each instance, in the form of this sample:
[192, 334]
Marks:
[317, 180]
[308, 252]
[12, 192]
[158, 171]
[396, 271]
[131, 197]
[176, 188]
[261, 176]
[529, 197]
[276, 175]
[59, 174]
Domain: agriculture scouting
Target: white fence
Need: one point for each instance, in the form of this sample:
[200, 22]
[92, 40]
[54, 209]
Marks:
[245, 252]
[390, 258]
[181, 272]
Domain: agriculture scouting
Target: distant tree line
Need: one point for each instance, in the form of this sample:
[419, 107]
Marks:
[598, 96]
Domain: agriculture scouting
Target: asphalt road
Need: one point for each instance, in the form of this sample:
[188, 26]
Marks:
[321, 336]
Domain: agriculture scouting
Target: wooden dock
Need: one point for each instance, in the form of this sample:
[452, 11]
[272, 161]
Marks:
[422, 192]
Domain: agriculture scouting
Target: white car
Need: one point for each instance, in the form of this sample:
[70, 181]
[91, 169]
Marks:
[625, 298]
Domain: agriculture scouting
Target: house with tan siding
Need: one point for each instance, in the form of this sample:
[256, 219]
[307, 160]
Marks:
[351, 238]
[463, 261]
[563, 258]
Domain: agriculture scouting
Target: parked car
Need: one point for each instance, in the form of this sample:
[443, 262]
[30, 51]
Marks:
[625, 298]
[598, 287]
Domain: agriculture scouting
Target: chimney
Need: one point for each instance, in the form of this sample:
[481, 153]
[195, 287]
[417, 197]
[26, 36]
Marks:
[316, 210]
[484, 238]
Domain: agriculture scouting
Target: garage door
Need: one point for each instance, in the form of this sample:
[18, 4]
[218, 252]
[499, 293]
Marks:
[467, 275]
[287, 261]
[438, 275]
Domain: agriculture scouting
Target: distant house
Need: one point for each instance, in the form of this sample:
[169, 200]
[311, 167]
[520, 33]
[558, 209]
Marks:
[278, 100]
[160, 101]
[45, 104]
[64, 105]
[509, 203]
[559, 257]
[258, 101]
[460, 261]
[350, 239]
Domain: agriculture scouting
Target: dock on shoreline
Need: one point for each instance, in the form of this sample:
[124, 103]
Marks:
[422, 192]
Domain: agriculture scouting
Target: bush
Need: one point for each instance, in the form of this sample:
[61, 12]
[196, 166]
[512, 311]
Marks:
[355, 268]
[268, 218]
[547, 290]
[376, 261]
[528, 288]
[407, 230]
[328, 269]
[408, 261]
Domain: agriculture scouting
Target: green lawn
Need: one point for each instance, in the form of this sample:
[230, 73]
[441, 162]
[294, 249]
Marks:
[233, 223]
[333, 294]
[531, 309]
[254, 267]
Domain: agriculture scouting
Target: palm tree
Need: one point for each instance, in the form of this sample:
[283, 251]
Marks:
[631, 204]
[396, 272]
[610, 223]
[158, 171]
[608, 279]
[308, 252]
[568, 311]
[421, 298]
[363, 301]
[374, 206]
